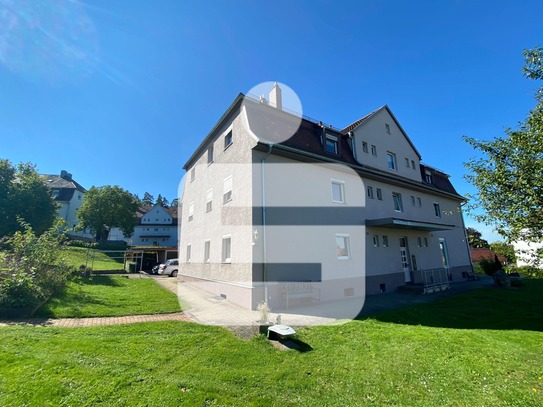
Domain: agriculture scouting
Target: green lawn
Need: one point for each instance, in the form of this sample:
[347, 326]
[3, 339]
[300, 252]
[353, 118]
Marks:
[77, 256]
[452, 358]
[104, 296]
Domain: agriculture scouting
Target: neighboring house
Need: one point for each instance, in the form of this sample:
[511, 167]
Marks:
[69, 194]
[351, 210]
[480, 254]
[157, 226]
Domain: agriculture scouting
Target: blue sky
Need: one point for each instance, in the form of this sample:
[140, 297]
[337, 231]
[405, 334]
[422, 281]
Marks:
[122, 92]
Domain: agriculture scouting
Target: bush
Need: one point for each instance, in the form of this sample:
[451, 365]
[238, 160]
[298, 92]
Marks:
[32, 269]
[527, 271]
[487, 267]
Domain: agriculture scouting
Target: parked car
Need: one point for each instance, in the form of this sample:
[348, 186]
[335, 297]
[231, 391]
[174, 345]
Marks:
[169, 268]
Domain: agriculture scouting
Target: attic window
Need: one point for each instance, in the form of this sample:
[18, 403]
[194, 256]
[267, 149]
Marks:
[428, 177]
[55, 193]
[331, 144]
[227, 140]
[387, 128]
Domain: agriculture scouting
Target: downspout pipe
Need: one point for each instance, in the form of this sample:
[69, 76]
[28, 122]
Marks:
[264, 243]
[466, 238]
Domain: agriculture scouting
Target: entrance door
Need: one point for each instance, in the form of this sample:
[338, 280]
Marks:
[404, 254]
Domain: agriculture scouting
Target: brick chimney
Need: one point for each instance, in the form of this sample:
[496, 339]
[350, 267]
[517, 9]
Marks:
[276, 97]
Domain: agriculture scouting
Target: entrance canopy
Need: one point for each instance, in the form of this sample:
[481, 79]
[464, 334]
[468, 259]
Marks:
[395, 223]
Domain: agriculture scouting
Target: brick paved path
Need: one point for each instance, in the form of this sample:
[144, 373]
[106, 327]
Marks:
[79, 322]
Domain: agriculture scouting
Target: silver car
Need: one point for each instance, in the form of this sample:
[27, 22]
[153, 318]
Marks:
[169, 268]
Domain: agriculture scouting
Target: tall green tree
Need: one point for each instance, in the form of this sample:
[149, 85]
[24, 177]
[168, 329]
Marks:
[107, 207]
[162, 200]
[24, 196]
[475, 239]
[148, 199]
[506, 250]
[509, 174]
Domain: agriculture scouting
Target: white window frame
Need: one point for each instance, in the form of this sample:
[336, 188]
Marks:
[376, 241]
[407, 162]
[369, 192]
[341, 185]
[379, 194]
[397, 201]
[437, 210]
[207, 251]
[334, 142]
[192, 174]
[428, 176]
[227, 190]
[224, 257]
[412, 200]
[191, 211]
[189, 253]
[209, 200]
[419, 202]
[425, 242]
[346, 242]
[228, 139]
[385, 241]
[419, 241]
[365, 147]
[413, 164]
[387, 128]
[391, 161]
[210, 154]
[374, 150]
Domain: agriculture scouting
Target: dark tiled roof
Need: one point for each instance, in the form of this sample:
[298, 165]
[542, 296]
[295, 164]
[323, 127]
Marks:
[440, 180]
[480, 254]
[354, 125]
[57, 182]
[269, 124]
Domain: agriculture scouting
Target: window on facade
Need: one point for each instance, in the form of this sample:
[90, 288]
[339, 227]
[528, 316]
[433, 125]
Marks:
[338, 191]
[425, 242]
[210, 155]
[387, 128]
[437, 210]
[370, 192]
[419, 202]
[385, 241]
[228, 139]
[364, 147]
[191, 211]
[373, 150]
[227, 190]
[226, 249]
[428, 177]
[391, 160]
[407, 162]
[79, 197]
[419, 242]
[342, 247]
[55, 193]
[192, 174]
[375, 241]
[412, 200]
[413, 164]
[209, 201]
[331, 144]
[379, 194]
[397, 198]
[189, 252]
[207, 250]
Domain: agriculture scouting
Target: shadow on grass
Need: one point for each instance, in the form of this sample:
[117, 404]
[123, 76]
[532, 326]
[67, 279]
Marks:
[487, 308]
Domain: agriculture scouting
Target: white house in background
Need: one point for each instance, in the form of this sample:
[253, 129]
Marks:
[347, 212]
[69, 194]
[157, 226]
[527, 253]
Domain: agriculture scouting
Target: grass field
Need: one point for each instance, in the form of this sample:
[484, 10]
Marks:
[105, 296]
[77, 256]
[480, 348]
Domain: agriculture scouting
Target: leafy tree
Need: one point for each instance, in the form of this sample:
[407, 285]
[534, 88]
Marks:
[148, 199]
[175, 203]
[509, 175]
[107, 207]
[475, 239]
[162, 200]
[24, 195]
[506, 250]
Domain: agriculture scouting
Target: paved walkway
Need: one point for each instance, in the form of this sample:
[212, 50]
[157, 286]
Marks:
[208, 309]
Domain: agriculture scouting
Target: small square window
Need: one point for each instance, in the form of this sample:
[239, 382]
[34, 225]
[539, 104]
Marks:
[385, 241]
[331, 144]
[391, 160]
[437, 210]
[364, 147]
[342, 247]
[387, 128]
[375, 241]
[373, 150]
[228, 139]
[379, 194]
[338, 191]
[370, 192]
[210, 155]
